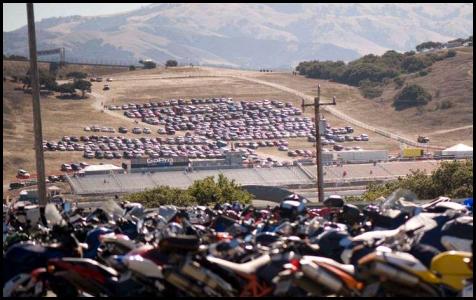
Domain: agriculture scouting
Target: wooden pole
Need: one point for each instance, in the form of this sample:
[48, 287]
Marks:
[35, 92]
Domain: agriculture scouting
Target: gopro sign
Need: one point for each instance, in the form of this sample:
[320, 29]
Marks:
[159, 162]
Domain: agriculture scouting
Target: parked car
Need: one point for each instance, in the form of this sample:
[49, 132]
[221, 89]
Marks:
[364, 137]
[99, 154]
[83, 164]
[147, 131]
[88, 154]
[76, 167]
[123, 130]
[338, 147]
[16, 185]
[23, 174]
[137, 130]
[66, 167]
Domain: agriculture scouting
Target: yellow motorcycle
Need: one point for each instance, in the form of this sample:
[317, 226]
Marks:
[400, 273]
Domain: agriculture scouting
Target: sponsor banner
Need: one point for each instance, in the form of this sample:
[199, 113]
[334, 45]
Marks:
[159, 162]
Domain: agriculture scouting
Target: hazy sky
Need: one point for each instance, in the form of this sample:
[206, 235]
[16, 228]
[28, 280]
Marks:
[14, 14]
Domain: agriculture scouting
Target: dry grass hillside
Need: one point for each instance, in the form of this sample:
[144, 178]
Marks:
[448, 80]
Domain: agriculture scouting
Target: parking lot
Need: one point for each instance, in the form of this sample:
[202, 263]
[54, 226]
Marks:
[204, 128]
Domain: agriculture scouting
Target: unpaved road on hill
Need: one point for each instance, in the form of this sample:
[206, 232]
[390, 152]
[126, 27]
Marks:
[337, 113]
[451, 130]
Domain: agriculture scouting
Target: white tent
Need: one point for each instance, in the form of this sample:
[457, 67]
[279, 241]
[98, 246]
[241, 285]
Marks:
[102, 169]
[459, 151]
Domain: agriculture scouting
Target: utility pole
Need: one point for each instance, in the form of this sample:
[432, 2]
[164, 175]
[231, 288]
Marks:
[320, 174]
[35, 92]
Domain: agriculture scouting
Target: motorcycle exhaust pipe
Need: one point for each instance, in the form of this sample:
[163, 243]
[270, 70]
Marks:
[395, 275]
[194, 270]
[183, 284]
[308, 285]
[321, 276]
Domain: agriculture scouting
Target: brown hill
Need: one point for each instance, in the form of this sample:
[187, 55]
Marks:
[449, 80]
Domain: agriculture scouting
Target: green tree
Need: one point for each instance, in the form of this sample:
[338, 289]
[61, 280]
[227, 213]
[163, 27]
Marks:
[46, 80]
[412, 95]
[162, 195]
[66, 88]
[82, 85]
[203, 192]
[77, 75]
[171, 63]
[413, 63]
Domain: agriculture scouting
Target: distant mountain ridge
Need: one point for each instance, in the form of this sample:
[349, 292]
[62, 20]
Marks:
[248, 35]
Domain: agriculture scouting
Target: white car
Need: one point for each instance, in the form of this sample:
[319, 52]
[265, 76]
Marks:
[87, 128]
[108, 79]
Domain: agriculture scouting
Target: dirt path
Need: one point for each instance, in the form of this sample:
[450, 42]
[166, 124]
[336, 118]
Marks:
[337, 113]
[451, 130]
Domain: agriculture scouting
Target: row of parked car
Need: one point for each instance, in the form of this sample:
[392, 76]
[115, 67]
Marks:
[256, 145]
[96, 128]
[73, 166]
[194, 101]
[228, 120]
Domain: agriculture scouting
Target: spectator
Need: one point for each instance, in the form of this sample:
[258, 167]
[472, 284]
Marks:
[344, 174]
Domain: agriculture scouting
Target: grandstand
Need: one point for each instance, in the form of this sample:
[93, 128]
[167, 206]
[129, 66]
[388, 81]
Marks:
[278, 176]
[133, 182]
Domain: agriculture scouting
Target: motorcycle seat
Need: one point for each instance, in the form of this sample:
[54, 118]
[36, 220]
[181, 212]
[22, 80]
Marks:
[105, 270]
[247, 268]
[180, 243]
[350, 269]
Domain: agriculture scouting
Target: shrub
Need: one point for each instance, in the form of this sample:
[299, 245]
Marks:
[208, 191]
[451, 53]
[452, 179]
[412, 95]
[446, 104]
[369, 89]
[412, 64]
[202, 192]
[423, 73]
[171, 63]
[162, 195]
[132, 68]
[398, 82]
